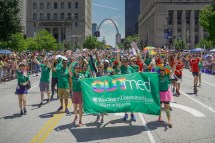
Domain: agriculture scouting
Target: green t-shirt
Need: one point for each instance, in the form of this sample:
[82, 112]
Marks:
[148, 61]
[21, 78]
[55, 74]
[63, 77]
[45, 75]
[86, 74]
[164, 82]
[127, 70]
[200, 65]
[136, 68]
[76, 82]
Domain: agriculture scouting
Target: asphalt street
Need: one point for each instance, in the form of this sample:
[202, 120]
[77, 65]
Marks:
[192, 116]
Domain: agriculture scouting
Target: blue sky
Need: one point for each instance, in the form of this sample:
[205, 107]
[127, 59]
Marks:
[114, 9]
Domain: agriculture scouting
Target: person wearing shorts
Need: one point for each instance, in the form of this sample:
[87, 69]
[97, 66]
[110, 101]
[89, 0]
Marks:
[165, 93]
[44, 79]
[194, 67]
[21, 89]
[178, 74]
[74, 70]
[64, 84]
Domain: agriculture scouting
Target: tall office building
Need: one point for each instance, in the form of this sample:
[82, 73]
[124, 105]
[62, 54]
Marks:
[94, 28]
[22, 14]
[132, 10]
[162, 21]
[67, 20]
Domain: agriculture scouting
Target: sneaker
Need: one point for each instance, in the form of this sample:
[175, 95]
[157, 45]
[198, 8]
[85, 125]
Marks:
[52, 96]
[195, 90]
[41, 104]
[102, 121]
[48, 100]
[125, 117]
[25, 111]
[21, 112]
[59, 109]
[66, 111]
[133, 118]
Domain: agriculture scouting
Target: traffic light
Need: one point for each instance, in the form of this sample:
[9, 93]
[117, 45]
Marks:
[97, 34]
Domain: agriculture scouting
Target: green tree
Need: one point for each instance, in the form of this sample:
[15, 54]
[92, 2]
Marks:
[207, 20]
[17, 42]
[43, 40]
[128, 40]
[179, 44]
[9, 19]
[92, 42]
[205, 43]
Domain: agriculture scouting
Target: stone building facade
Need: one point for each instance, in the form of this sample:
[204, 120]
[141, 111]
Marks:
[22, 14]
[179, 18]
[66, 20]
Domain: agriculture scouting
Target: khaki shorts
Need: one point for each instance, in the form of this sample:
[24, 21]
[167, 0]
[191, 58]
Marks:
[63, 93]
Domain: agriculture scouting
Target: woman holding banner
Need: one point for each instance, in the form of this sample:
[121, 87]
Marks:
[76, 75]
[165, 93]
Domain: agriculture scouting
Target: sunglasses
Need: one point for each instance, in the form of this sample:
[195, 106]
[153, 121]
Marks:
[162, 70]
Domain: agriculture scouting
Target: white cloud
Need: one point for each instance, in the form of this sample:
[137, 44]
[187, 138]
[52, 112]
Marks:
[105, 6]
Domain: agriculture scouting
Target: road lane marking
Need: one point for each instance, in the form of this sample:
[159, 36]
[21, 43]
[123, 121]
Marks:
[190, 110]
[48, 127]
[119, 114]
[146, 128]
[207, 107]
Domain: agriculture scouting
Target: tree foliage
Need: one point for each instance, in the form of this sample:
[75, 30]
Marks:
[207, 20]
[42, 40]
[205, 43]
[9, 19]
[91, 43]
[17, 42]
[179, 44]
[128, 40]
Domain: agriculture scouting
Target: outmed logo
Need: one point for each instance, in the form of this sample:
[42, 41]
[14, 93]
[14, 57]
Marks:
[123, 84]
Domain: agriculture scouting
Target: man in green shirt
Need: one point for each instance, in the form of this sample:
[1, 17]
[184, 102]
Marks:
[64, 84]
[44, 79]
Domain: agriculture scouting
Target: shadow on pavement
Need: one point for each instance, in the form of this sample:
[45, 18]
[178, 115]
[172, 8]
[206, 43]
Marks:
[51, 114]
[190, 93]
[92, 134]
[17, 115]
[156, 124]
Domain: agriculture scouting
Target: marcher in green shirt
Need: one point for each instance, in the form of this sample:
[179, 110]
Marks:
[64, 83]
[44, 79]
[125, 69]
[165, 94]
[77, 76]
[23, 80]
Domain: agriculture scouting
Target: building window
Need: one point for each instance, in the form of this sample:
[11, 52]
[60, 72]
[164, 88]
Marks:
[76, 5]
[170, 17]
[63, 34]
[41, 5]
[55, 16]
[76, 24]
[41, 16]
[196, 39]
[179, 17]
[62, 16]
[188, 16]
[48, 16]
[55, 33]
[62, 5]
[69, 16]
[69, 5]
[34, 5]
[179, 30]
[76, 15]
[196, 17]
[48, 5]
[55, 5]
[34, 16]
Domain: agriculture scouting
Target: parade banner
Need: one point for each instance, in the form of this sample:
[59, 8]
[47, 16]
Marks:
[137, 92]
